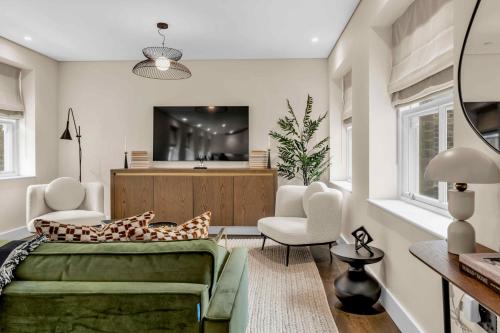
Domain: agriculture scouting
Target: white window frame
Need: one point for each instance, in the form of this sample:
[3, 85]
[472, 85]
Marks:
[348, 149]
[11, 148]
[408, 149]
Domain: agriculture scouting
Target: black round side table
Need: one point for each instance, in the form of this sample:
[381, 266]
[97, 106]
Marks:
[355, 288]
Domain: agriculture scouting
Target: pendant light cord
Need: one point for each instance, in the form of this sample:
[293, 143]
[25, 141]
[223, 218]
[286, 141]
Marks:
[160, 33]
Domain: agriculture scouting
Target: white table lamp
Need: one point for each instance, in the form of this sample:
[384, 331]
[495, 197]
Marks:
[461, 166]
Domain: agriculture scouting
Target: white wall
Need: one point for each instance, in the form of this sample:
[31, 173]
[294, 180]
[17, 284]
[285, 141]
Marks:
[40, 93]
[365, 47]
[486, 219]
[110, 103]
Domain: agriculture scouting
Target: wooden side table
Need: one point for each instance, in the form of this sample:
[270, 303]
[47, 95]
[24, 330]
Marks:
[355, 288]
[435, 255]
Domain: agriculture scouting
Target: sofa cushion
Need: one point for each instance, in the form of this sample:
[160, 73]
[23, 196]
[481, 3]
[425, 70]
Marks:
[64, 193]
[75, 217]
[102, 307]
[286, 230]
[115, 231]
[196, 228]
[195, 261]
[313, 188]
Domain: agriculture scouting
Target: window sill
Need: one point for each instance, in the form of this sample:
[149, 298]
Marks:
[16, 177]
[342, 185]
[434, 223]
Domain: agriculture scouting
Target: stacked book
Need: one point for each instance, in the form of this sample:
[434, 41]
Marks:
[258, 159]
[139, 160]
[484, 267]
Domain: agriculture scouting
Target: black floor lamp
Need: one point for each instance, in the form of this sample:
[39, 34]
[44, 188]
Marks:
[67, 136]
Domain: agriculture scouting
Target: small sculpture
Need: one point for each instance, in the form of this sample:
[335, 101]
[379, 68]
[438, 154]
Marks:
[363, 238]
[201, 159]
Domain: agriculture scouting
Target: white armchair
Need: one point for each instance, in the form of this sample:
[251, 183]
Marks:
[65, 200]
[304, 216]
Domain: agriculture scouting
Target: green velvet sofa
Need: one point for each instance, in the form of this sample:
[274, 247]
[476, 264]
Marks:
[137, 287]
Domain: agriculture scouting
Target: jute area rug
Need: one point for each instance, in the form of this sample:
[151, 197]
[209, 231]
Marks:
[284, 299]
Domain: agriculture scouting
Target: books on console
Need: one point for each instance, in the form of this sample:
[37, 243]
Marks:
[139, 159]
[258, 159]
[485, 267]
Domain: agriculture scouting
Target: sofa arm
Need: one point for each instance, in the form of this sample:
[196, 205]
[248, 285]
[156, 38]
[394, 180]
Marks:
[94, 197]
[35, 203]
[228, 308]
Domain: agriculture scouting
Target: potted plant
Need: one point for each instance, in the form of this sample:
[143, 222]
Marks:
[298, 157]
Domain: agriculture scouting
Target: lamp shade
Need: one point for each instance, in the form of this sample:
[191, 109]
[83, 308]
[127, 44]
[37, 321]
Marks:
[66, 134]
[463, 165]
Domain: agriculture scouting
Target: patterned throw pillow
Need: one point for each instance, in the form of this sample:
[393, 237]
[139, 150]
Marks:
[196, 228]
[115, 231]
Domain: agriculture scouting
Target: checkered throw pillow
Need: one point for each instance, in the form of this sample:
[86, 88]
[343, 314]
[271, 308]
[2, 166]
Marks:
[196, 228]
[115, 231]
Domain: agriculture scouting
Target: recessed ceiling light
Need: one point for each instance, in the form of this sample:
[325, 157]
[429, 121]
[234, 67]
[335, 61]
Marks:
[215, 133]
[315, 39]
[27, 38]
[223, 125]
[208, 129]
[199, 125]
[231, 132]
[184, 119]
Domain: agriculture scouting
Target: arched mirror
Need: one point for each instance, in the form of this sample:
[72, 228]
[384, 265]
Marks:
[479, 72]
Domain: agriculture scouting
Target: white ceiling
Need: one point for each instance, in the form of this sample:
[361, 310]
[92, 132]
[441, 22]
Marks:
[70, 30]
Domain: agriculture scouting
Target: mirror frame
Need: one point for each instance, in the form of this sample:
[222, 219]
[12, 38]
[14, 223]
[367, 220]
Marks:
[459, 83]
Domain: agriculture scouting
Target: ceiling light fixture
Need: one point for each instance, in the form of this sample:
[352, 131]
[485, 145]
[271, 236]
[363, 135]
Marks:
[184, 119]
[315, 39]
[223, 125]
[27, 38]
[162, 62]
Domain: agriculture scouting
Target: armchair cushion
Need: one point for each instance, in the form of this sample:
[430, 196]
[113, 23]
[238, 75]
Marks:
[75, 217]
[64, 193]
[286, 230]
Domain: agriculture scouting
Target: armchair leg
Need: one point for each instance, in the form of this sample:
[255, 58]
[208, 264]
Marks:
[263, 242]
[287, 254]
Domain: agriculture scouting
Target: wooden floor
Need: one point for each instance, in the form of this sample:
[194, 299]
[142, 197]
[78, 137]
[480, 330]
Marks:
[375, 322]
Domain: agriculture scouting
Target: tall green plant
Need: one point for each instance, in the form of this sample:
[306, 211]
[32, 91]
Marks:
[296, 156]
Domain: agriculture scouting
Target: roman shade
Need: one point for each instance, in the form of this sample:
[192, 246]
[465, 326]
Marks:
[11, 101]
[347, 97]
[422, 51]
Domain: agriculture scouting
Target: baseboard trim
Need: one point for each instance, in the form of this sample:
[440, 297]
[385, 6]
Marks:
[403, 320]
[14, 234]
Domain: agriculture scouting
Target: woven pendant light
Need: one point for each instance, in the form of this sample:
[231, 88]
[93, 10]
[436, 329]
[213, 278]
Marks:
[162, 62]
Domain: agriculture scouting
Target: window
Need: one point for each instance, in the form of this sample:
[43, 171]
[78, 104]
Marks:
[349, 152]
[426, 128]
[347, 120]
[8, 147]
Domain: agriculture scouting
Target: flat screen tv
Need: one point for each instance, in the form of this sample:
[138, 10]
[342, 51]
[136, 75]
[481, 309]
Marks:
[186, 133]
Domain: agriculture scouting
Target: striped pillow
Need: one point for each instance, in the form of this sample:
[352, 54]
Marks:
[197, 228]
[115, 231]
